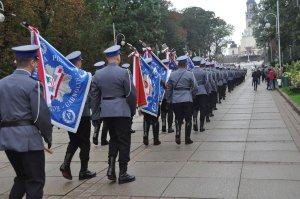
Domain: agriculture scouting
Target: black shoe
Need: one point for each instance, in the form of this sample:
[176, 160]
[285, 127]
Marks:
[156, 142]
[177, 140]
[164, 129]
[104, 142]
[132, 131]
[220, 102]
[195, 128]
[202, 129]
[215, 109]
[111, 173]
[188, 141]
[66, 171]
[211, 115]
[170, 130]
[83, 175]
[95, 141]
[125, 178]
[145, 141]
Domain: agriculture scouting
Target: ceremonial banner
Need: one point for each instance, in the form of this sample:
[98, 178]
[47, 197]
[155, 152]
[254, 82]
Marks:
[138, 81]
[190, 64]
[151, 84]
[160, 68]
[65, 87]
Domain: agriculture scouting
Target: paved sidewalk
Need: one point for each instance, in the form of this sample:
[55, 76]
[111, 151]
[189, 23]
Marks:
[248, 151]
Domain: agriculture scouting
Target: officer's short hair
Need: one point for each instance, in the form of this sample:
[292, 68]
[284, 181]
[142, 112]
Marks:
[181, 64]
[24, 60]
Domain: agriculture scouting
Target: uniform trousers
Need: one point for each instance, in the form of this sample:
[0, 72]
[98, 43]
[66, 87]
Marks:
[30, 170]
[201, 105]
[81, 139]
[120, 139]
[167, 112]
[183, 110]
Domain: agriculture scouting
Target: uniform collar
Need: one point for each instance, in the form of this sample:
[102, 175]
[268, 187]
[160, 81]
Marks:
[22, 71]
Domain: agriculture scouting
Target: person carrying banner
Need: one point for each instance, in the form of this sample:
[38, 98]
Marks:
[99, 65]
[113, 89]
[181, 88]
[166, 109]
[25, 121]
[127, 66]
[80, 139]
[151, 120]
[200, 102]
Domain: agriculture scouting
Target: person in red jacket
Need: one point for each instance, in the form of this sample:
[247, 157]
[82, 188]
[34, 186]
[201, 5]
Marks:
[271, 77]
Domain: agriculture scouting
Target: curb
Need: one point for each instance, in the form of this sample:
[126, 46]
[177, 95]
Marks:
[290, 102]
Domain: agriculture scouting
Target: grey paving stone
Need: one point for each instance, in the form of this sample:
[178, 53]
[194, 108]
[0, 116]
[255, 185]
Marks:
[164, 156]
[269, 189]
[60, 186]
[203, 188]
[271, 171]
[238, 124]
[218, 156]
[155, 169]
[237, 116]
[227, 137]
[264, 105]
[227, 146]
[6, 184]
[241, 106]
[243, 110]
[210, 170]
[227, 131]
[143, 186]
[268, 131]
[266, 116]
[271, 146]
[269, 137]
[272, 156]
[267, 124]
[172, 146]
[266, 110]
[53, 169]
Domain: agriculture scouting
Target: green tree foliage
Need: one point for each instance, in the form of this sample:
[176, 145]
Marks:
[87, 25]
[289, 26]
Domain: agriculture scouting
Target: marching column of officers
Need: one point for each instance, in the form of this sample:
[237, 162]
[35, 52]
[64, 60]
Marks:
[112, 99]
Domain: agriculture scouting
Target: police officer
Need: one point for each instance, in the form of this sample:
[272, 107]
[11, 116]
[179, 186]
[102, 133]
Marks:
[166, 109]
[99, 65]
[200, 102]
[149, 120]
[181, 87]
[25, 120]
[113, 88]
[80, 139]
[127, 67]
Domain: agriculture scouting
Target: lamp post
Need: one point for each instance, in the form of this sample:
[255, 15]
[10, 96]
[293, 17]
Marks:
[116, 37]
[268, 25]
[2, 17]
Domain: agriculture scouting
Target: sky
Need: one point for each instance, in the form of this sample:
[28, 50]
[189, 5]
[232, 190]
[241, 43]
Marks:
[232, 11]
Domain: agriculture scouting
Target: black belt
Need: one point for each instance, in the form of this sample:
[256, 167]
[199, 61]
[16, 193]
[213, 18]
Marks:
[16, 123]
[182, 89]
[112, 98]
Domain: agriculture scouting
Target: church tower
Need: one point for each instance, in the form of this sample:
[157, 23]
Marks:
[248, 44]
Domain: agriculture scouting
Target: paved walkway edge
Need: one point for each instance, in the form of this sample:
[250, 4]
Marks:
[289, 101]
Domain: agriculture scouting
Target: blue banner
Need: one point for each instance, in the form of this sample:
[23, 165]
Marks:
[151, 80]
[190, 64]
[172, 65]
[67, 86]
[162, 70]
